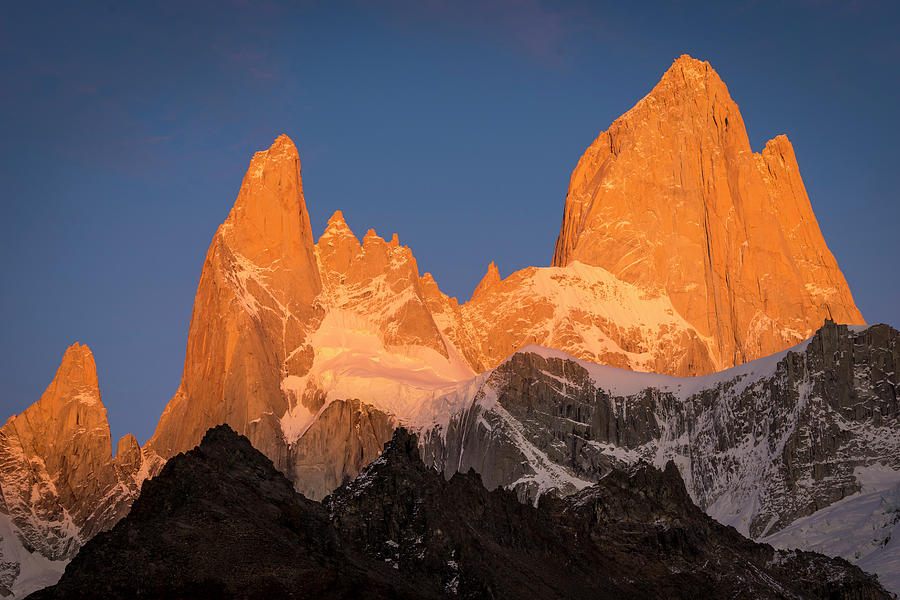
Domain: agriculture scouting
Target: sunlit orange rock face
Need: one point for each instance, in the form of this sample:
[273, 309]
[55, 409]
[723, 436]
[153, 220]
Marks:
[60, 483]
[259, 299]
[681, 252]
[672, 200]
[395, 301]
[253, 311]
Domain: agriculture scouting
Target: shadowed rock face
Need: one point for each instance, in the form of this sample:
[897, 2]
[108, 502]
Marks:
[759, 446]
[345, 438]
[220, 521]
[672, 199]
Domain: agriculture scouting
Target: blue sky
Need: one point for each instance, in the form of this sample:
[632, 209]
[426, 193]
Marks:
[125, 132]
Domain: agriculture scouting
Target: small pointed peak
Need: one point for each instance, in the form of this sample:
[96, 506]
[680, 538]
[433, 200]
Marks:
[75, 379]
[282, 152]
[127, 444]
[77, 351]
[372, 237]
[269, 223]
[686, 60]
[688, 64]
[490, 279]
[780, 149]
[403, 446]
[128, 454]
[337, 227]
[337, 218]
[697, 74]
[429, 285]
[78, 365]
[395, 241]
[779, 142]
[222, 432]
[283, 145]
[432, 291]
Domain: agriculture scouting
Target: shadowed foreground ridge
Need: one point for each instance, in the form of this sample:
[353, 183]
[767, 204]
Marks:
[220, 521]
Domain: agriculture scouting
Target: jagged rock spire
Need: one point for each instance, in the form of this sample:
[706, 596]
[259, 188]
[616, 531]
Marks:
[254, 308]
[490, 280]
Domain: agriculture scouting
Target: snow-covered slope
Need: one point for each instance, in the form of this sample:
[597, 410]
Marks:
[589, 313]
[864, 528]
[24, 570]
[352, 361]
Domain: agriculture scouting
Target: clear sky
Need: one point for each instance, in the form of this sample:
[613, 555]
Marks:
[125, 133]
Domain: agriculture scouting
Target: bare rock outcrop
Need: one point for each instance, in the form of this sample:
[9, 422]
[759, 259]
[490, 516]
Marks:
[379, 281]
[272, 309]
[672, 199]
[253, 312]
[59, 482]
[759, 445]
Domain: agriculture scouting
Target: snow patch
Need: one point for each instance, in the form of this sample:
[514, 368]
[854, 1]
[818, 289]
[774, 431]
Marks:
[36, 571]
[863, 528]
[415, 384]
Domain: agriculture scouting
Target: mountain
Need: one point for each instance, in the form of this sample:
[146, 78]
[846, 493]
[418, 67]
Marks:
[400, 530]
[59, 483]
[280, 322]
[759, 445]
[681, 253]
[253, 312]
[672, 199]
[283, 325]
[789, 443]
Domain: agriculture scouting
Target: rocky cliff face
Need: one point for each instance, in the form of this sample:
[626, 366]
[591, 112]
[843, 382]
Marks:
[253, 312]
[681, 251]
[672, 199]
[316, 349]
[402, 531]
[282, 325]
[377, 280]
[759, 445]
[59, 483]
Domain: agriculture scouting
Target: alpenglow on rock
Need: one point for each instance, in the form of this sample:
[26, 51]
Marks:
[59, 483]
[280, 321]
[252, 314]
[672, 199]
[283, 325]
[681, 252]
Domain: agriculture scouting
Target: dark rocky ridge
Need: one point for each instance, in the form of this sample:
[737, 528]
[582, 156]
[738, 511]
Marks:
[220, 521]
